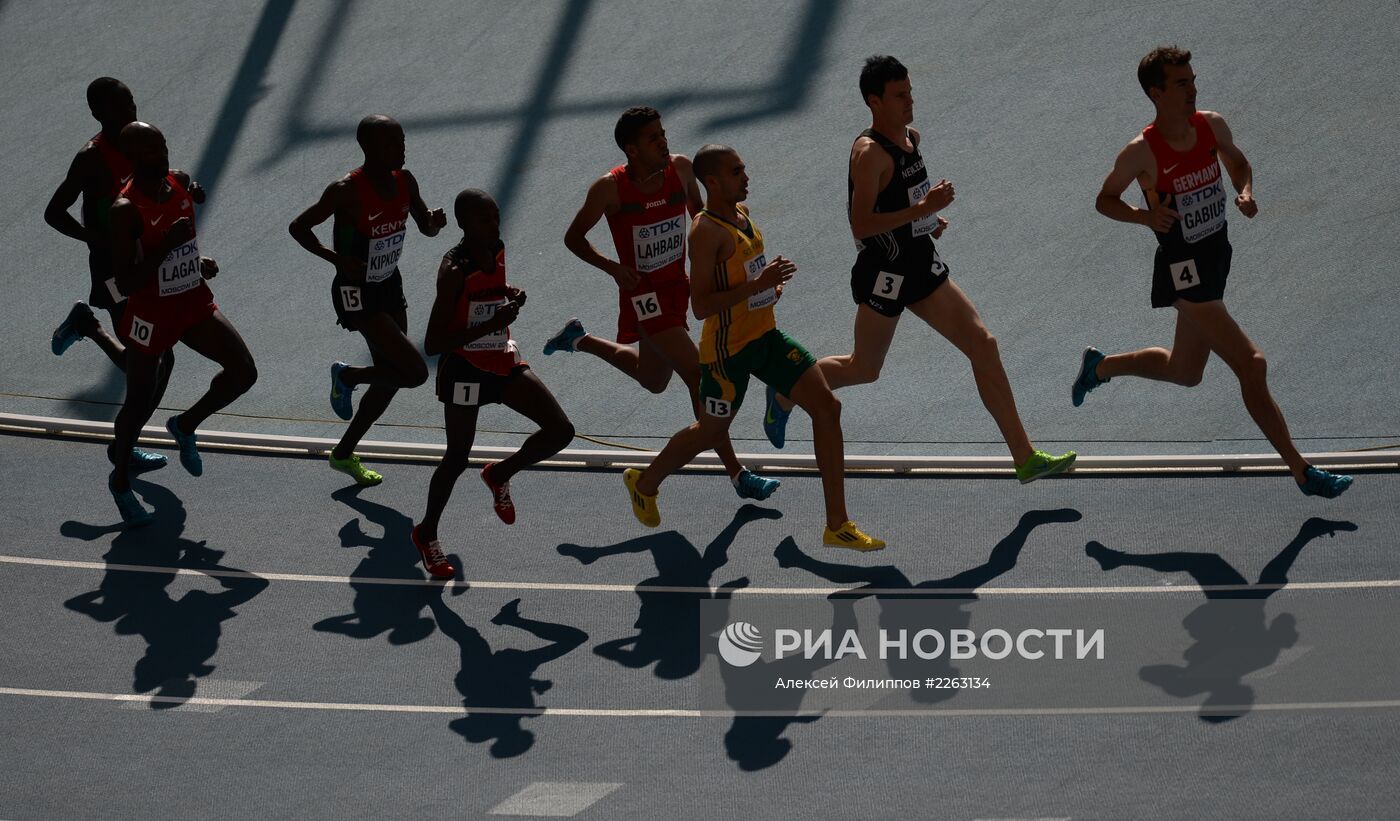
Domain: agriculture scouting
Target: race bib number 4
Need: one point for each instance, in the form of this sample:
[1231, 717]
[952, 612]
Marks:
[659, 244]
[923, 225]
[1184, 274]
[480, 312]
[180, 270]
[646, 305]
[764, 298]
[384, 255]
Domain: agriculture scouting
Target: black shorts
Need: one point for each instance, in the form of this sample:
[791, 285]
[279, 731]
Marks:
[1195, 274]
[891, 286]
[103, 293]
[459, 382]
[352, 302]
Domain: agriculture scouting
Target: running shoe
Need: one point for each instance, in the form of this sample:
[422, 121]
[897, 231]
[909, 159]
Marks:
[775, 420]
[351, 467]
[1087, 379]
[643, 506]
[70, 330]
[142, 461]
[189, 452]
[341, 393]
[750, 485]
[500, 496]
[1042, 464]
[134, 514]
[434, 561]
[568, 335]
[850, 537]
[1317, 482]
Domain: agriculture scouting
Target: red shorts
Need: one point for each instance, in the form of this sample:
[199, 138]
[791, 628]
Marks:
[155, 323]
[654, 309]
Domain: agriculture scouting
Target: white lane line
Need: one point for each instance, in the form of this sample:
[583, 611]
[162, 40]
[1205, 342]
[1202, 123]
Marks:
[558, 799]
[1364, 584]
[215, 687]
[607, 712]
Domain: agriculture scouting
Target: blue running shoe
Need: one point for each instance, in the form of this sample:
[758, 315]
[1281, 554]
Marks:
[1087, 379]
[571, 333]
[70, 330]
[143, 461]
[189, 452]
[133, 513]
[1321, 483]
[775, 420]
[750, 485]
[341, 400]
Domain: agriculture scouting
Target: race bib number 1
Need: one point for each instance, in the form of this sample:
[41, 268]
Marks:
[646, 305]
[762, 299]
[923, 225]
[466, 393]
[482, 312]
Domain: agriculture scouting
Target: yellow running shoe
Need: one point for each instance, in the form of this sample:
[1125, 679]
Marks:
[643, 506]
[850, 537]
[351, 467]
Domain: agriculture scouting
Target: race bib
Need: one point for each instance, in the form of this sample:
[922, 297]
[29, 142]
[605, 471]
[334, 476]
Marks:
[887, 285]
[466, 393]
[646, 306]
[180, 271]
[1202, 210]
[141, 330]
[762, 299]
[660, 244]
[350, 298]
[923, 225]
[384, 255]
[479, 312]
[117, 296]
[1184, 274]
[718, 408]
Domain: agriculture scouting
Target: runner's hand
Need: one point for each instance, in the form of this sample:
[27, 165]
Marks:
[437, 220]
[196, 192]
[1247, 205]
[208, 268]
[354, 270]
[1159, 217]
[503, 317]
[942, 226]
[181, 231]
[938, 197]
[625, 277]
[775, 273]
[517, 295]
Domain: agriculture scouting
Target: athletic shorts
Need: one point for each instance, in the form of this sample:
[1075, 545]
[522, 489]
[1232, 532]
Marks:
[1199, 277]
[103, 293]
[775, 358]
[155, 323]
[459, 382]
[891, 286]
[352, 302]
[654, 309]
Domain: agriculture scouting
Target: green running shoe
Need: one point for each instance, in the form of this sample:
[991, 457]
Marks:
[351, 467]
[1042, 464]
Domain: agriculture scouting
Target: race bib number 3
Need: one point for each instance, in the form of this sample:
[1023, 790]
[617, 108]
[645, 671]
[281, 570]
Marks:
[659, 244]
[350, 298]
[480, 312]
[923, 225]
[1184, 274]
[180, 270]
[384, 255]
[762, 299]
[466, 393]
[141, 330]
[646, 305]
[887, 285]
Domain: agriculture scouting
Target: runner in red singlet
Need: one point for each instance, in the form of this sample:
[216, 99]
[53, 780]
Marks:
[646, 202]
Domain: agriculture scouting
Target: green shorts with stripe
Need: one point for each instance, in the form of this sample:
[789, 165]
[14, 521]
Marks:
[775, 358]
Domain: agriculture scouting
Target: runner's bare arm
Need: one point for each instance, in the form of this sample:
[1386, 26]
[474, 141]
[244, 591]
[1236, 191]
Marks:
[74, 183]
[710, 245]
[428, 222]
[869, 163]
[601, 199]
[694, 202]
[1134, 164]
[336, 197]
[1236, 164]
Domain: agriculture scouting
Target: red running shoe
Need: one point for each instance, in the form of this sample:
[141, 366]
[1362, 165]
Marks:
[436, 564]
[500, 496]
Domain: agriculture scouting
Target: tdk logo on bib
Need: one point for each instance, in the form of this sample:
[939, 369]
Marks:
[740, 644]
[659, 244]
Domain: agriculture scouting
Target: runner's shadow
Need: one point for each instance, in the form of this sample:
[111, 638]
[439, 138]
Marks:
[501, 679]
[913, 611]
[1232, 631]
[668, 622]
[100, 401]
[381, 608]
[182, 635]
